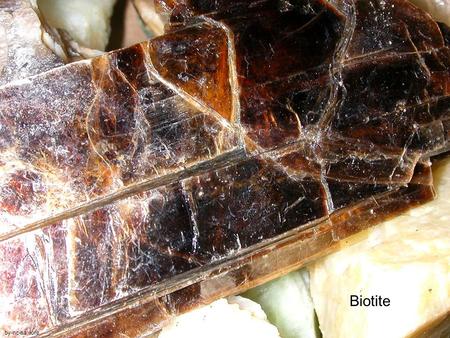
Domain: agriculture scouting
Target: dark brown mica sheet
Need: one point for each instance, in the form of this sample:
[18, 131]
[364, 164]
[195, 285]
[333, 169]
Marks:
[370, 74]
[256, 266]
[248, 140]
[196, 60]
[109, 124]
[214, 234]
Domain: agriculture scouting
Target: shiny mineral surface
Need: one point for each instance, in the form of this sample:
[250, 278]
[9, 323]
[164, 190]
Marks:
[247, 139]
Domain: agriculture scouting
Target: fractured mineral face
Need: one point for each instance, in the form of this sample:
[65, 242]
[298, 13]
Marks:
[369, 75]
[108, 125]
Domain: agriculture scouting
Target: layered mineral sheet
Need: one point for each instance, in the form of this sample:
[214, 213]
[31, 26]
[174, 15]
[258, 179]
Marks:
[108, 125]
[370, 75]
[249, 138]
[181, 234]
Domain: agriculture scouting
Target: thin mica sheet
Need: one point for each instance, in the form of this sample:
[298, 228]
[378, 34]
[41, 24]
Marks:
[156, 178]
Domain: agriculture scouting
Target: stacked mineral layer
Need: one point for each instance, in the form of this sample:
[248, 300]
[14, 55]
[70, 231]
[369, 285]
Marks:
[246, 140]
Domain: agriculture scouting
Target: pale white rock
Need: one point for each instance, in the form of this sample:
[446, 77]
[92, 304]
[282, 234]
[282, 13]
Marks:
[406, 259]
[288, 304]
[235, 317]
[153, 20]
[86, 21]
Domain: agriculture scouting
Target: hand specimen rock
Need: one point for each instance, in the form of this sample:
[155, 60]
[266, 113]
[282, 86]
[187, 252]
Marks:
[246, 140]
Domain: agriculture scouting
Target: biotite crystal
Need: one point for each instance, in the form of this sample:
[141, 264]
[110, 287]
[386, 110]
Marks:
[249, 138]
